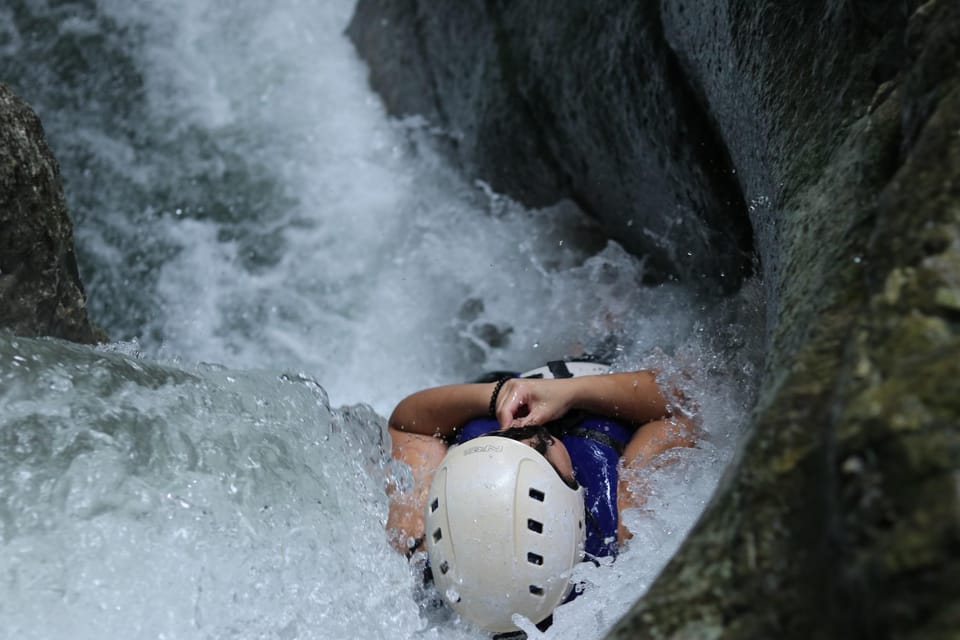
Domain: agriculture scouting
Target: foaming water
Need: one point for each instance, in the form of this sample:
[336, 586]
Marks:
[241, 199]
[146, 501]
[373, 239]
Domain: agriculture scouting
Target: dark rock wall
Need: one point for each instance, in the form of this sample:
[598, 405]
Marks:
[40, 289]
[783, 87]
[842, 518]
[583, 101]
[834, 127]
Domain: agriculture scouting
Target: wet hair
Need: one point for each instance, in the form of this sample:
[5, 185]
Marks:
[541, 437]
[541, 440]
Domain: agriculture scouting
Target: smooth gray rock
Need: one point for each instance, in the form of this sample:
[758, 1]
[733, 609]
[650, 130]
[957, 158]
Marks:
[40, 289]
[582, 100]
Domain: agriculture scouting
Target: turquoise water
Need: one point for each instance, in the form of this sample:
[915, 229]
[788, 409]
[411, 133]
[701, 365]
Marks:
[279, 263]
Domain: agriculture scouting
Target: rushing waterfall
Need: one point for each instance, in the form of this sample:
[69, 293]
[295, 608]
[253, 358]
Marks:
[256, 234]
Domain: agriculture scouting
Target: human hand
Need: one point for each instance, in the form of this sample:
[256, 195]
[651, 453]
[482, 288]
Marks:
[523, 402]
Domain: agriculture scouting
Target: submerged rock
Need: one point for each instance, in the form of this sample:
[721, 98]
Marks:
[835, 129]
[40, 289]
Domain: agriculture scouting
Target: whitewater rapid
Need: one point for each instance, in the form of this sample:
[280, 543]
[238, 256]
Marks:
[279, 263]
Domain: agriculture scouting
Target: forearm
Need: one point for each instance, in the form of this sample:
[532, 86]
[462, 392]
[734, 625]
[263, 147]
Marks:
[633, 397]
[406, 501]
[441, 410]
[419, 427]
[642, 454]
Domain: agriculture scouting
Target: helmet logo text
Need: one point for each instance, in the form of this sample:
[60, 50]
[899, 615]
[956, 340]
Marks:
[487, 448]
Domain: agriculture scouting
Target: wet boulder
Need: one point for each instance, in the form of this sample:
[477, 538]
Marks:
[584, 102]
[40, 289]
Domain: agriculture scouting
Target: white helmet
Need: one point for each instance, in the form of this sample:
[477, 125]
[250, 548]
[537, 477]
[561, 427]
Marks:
[503, 532]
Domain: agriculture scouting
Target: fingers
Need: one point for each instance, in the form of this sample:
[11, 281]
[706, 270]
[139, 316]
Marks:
[526, 402]
[511, 406]
[515, 403]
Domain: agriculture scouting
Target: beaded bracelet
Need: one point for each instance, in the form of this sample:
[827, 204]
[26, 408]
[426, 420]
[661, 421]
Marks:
[496, 392]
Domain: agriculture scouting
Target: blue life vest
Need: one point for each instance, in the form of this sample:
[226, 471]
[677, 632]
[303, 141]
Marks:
[594, 444]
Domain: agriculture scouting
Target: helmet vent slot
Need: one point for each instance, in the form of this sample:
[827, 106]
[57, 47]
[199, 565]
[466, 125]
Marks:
[434, 505]
[444, 567]
[437, 535]
[533, 525]
[535, 590]
[533, 558]
[536, 494]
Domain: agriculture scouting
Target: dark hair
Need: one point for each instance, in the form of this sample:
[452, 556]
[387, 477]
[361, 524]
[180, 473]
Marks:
[541, 440]
[542, 437]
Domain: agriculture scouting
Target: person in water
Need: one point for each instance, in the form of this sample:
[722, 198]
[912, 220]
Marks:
[516, 480]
